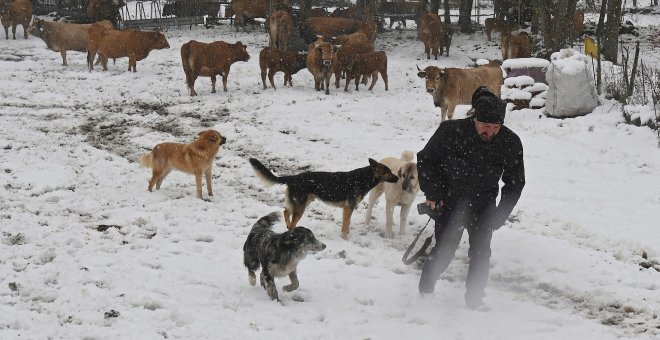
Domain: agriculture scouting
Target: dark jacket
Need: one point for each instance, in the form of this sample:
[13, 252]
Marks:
[456, 166]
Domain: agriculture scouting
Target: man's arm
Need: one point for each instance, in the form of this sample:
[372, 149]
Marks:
[429, 165]
[514, 182]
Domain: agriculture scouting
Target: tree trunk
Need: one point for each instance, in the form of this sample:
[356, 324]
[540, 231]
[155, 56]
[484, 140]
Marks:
[556, 19]
[611, 31]
[447, 14]
[464, 12]
[599, 34]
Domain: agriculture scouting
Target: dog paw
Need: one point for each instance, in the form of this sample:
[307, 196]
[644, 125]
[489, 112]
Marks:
[290, 288]
[252, 280]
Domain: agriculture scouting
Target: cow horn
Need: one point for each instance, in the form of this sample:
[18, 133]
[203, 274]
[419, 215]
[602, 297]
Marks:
[418, 69]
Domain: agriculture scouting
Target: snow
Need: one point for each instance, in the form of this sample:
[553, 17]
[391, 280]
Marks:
[525, 62]
[569, 62]
[537, 87]
[537, 102]
[566, 265]
[519, 81]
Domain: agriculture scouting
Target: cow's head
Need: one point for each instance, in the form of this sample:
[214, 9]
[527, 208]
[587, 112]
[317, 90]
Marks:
[37, 27]
[433, 76]
[328, 53]
[242, 51]
[159, 41]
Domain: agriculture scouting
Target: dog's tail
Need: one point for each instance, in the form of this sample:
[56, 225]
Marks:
[264, 174]
[145, 160]
[407, 156]
[268, 220]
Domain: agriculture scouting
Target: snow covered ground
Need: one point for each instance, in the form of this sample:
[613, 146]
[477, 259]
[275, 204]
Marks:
[566, 265]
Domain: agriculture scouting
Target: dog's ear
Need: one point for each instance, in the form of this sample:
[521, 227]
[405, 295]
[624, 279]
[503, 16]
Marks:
[372, 162]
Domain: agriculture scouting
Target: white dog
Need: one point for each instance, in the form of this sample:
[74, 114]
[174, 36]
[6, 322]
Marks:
[402, 193]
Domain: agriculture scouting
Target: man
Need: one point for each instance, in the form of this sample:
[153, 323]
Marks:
[459, 172]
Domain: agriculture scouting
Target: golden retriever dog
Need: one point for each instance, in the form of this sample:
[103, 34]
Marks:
[195, 158]
[402, 193]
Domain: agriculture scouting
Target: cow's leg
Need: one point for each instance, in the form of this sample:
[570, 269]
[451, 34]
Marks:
[190, 80]
[13, 31]
[25, 26]
[213, 79]
[374, 77]
[357, 82]
[224, 80]
[209, 188]
[63, 54]
[338, 76]
[450, 111]
[427, 50]
[6, 31]
[327, 83]
[350, 77]
[90, 59]
[443, 113]
[132, 63]
[263, 77]
[271, 74]
[383, 74]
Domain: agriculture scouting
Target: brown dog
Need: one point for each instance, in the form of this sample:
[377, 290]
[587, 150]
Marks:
[195, 158]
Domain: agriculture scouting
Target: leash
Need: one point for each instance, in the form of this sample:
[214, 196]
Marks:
[406, 260]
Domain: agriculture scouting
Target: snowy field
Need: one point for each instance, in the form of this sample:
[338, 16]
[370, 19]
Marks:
[565, 266]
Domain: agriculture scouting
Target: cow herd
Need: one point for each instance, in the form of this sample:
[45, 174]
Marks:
[339, 46]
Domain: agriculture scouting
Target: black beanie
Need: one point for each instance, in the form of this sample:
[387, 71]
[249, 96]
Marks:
[488, 108]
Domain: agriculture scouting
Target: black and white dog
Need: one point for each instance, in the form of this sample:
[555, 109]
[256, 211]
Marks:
[277, 254]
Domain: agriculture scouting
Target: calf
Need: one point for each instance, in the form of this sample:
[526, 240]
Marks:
[516, 46]
[453, 86]
[210, 60]
[321, 57]
[279, 29]
[273, 60]
[431, 33]
[370, 63]
[346, 57]
[17, 12]
[110, 43]
[62, 36]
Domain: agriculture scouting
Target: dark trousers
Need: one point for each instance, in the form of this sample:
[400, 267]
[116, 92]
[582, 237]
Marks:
[448, 232]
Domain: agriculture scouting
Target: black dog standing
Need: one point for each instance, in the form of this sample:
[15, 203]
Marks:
[459, 172]
[277, 254]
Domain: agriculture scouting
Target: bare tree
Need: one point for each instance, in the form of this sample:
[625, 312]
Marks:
[556, 18]
[464, 13]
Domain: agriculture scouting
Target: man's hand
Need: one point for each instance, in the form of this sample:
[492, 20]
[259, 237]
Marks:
[432, 204]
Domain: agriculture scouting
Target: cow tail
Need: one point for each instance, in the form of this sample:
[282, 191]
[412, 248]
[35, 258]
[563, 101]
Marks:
[185, 59]
[264, 174]
[145, 160]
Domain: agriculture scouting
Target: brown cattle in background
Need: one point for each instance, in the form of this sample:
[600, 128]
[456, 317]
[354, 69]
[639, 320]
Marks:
[365, 64]
[346, 57]
[453, 86]
[431, 32]
[274, 60]
[209, 60]
[279, 29]
[249, 9]
[98, 10]
[498, 25]
[111, 43]
[332, 27]
[62, 36]
[516, 46]
[17, 12]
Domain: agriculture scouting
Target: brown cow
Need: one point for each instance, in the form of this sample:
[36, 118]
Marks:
[516, 46]
[332, 27]
[17, 12]
[364, 64]
[274, 60]
[209, 60]
[431, 33]
[280, 26]
[111, 43]
[62, 36]
[98, 10]
[346, 57]
[358, 37]
[453, 86]
[499, 25]
[248, 9]
[320, 59]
